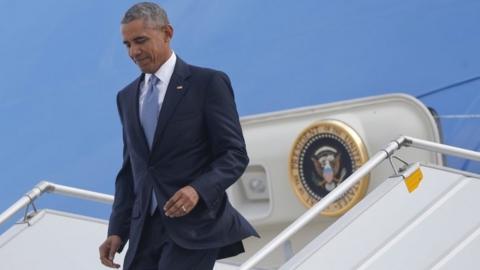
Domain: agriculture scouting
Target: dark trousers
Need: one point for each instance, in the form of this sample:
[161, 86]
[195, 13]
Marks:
[156, 251]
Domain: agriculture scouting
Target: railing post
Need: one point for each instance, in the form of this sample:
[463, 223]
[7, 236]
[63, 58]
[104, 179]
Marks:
[45, 186]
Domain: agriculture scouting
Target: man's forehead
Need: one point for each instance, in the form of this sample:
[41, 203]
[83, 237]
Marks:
[131, 31]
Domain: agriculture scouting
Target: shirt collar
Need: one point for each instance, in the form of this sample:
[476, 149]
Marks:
[164, 73]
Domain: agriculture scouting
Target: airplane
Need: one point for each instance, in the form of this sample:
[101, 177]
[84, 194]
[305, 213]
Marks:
[58, 98]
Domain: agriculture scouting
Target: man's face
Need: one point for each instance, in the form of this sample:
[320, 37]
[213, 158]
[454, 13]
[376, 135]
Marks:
[148, 47]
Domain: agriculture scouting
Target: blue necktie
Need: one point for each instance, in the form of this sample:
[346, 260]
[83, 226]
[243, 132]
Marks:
[149, 117]
[150, 109]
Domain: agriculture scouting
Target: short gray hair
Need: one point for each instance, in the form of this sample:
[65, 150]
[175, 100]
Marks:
[150, 13]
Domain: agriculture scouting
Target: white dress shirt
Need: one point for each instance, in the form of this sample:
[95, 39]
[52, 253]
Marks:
[164, 73]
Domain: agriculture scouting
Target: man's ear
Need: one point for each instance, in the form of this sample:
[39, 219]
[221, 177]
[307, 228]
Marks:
[168, 32]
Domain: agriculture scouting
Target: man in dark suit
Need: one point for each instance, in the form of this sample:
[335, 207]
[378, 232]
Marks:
[183, 147]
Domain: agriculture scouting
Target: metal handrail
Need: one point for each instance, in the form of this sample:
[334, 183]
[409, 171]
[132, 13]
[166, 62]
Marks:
[49, 187]
[373, 162]
[441, 148]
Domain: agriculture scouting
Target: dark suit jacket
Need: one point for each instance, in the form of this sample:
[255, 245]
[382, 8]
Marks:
[198, 142]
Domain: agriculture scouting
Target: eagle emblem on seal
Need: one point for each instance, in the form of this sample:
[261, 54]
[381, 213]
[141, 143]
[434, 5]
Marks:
[322, 157]
[328, 168]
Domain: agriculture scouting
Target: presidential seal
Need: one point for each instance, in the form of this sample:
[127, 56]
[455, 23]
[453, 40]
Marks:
[322, 157]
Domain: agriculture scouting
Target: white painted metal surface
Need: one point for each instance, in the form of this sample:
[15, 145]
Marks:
[435, 227]
[388, 151]
[45, 186]
[321, 205]
[270, 138]
[54, 240]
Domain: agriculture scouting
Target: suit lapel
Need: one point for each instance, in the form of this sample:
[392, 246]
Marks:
[176, 89]
[134, 108]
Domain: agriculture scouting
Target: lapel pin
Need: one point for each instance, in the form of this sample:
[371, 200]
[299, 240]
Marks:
[179, 87]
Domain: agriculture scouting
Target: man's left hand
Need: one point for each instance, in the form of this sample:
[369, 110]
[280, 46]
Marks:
[182, 202]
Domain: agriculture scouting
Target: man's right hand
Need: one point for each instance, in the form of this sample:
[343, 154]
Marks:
[108, 250]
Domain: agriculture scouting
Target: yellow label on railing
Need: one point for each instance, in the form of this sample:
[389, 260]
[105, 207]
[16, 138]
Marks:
[413, 179]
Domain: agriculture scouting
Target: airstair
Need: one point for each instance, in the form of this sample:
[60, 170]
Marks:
[421, 217]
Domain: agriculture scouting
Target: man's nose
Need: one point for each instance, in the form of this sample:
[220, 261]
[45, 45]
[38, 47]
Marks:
[134, 51]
